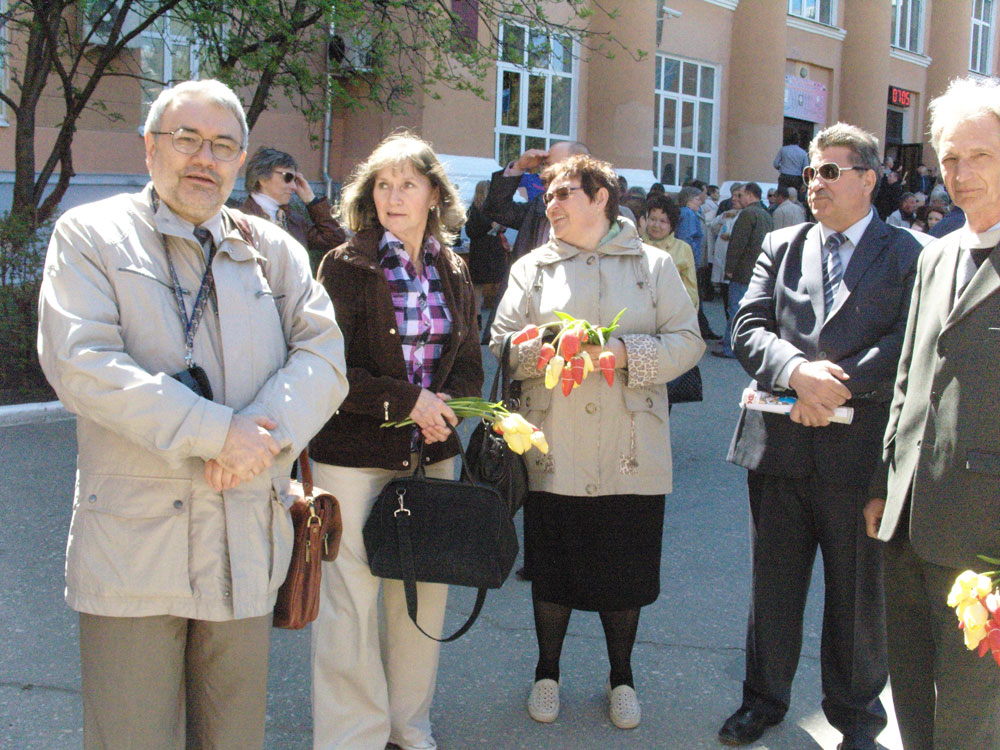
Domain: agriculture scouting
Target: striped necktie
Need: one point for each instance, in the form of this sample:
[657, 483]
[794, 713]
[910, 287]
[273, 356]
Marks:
[833, 271]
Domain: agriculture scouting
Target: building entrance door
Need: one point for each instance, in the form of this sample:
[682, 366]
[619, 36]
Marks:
[802, 130]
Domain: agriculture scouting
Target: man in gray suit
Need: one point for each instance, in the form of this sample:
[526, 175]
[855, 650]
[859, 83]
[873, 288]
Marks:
[823, 317]
[939, 505]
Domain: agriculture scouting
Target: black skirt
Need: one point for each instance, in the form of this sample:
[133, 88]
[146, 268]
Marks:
[594, 553]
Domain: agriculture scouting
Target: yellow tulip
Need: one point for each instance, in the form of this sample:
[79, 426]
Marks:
[517, 442]
[968, 585]
[973, 616]
[588, 364]
[538, 440]
[553, 370]
[522, 425]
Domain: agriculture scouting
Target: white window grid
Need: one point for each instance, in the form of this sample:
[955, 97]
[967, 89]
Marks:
[908, 25]
[169, 54]
[981, 43]
[685, 121]
[820, 11]
[536, 90]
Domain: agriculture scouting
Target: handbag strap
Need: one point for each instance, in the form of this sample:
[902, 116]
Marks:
[501, 378]
[305, 471]
[405, 545]
[418, 471]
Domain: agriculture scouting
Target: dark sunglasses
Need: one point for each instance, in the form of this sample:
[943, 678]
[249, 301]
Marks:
[289, 176]
[830, 172]
[559, 194]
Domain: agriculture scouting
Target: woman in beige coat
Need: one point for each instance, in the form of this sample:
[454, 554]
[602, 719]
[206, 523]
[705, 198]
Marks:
[594, 515]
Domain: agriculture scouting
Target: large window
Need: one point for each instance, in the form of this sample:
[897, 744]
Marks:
[684, 121]
[536, 96]
[821, 11]
[169, 55]
[981, 55]
[908, 25]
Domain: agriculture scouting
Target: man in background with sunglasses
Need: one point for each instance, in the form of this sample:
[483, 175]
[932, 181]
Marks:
[822, 320]
[272, 179]
[200, 357]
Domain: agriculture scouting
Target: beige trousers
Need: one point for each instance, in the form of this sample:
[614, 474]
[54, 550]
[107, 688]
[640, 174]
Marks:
[169, 683]
[373, 672]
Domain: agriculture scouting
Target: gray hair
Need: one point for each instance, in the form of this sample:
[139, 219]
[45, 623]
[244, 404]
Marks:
[964, 99]
[862, 145]
[264, 161]
[214, 91]
[358, 204]
[686, 194]
[735, 186]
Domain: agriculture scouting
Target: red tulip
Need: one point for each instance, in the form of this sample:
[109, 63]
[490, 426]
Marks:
[569, 344]
[606, 361]
[525, 334]
[577, 369]
[567, 380]
[548, 352]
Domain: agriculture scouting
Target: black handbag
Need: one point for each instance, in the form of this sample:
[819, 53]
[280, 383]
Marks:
[685, 388]
[441, 531]
[491, 461]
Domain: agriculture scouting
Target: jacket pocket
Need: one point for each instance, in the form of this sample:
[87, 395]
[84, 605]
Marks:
[652, 401]
[982, 462]
[282, 532]
[129, 537]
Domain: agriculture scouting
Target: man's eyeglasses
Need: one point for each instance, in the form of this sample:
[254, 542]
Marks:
[288, 176]
[188, 142]
[830, 172]
[559, 194]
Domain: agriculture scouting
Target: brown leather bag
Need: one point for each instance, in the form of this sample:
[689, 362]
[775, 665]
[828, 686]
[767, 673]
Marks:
[318, 528]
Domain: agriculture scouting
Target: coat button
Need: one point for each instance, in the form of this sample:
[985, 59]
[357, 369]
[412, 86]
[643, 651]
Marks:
[649, 402]
[590, 260]
[406, 463]
[226, 594]
[178, 504]
[392, 330]
[427, 459]
[527, 402]
[591, 489]
[591, 407]
[822, 355]
[92, 499]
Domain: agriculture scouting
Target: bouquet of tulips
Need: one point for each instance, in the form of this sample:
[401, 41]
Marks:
[976, 599]
[563, 359]
[517, 432]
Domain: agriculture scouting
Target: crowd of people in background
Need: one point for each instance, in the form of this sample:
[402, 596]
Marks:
[315, 331]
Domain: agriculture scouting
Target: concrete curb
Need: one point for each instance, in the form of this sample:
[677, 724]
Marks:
[50, 411]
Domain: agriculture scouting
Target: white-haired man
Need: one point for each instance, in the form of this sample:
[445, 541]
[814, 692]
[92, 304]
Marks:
[938, 507]
[199, 357]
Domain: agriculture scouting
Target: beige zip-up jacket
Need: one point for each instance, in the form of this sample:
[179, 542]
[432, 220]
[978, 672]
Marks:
[603, 440]
[148, 535]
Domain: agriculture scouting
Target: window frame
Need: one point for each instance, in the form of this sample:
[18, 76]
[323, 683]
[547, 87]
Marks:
[906, 8]
[149, 37]
[4, 41]
[660, 94]
[984, 27]
[802, 9]
[525, 71]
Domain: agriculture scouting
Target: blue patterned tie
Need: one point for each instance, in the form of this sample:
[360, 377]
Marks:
[833, 271]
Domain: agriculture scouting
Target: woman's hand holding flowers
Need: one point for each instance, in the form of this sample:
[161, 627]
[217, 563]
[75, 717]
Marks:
[432, 415]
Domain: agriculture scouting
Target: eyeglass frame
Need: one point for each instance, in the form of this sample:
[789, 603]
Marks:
[566, 191]
[201, 142]
[840, 171]
[288, 176]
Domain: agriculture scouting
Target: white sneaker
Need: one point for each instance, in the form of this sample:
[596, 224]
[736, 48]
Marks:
[624, 707]
[543, 703]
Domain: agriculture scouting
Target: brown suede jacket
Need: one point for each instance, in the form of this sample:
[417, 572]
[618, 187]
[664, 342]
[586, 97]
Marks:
[376, 371]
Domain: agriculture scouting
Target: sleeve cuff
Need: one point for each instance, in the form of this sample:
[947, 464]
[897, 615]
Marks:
[526, 357]
[787, 370]
[643, 359]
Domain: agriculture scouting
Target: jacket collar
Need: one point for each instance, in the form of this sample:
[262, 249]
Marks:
[626, 242]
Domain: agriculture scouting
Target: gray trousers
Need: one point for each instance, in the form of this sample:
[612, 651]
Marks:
[169, 683]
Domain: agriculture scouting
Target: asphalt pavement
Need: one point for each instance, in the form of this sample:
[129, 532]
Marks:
[688, 659]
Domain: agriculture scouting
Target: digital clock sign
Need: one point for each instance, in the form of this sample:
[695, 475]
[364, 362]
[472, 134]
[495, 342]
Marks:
[899, 97]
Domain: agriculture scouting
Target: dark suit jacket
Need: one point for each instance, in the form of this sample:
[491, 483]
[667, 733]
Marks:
[943, 437]
[317, 234]
[781, 316]
[528, 219]
[747, 237]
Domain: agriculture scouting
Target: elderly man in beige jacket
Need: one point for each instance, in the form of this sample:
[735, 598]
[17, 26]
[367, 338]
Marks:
[199, 357]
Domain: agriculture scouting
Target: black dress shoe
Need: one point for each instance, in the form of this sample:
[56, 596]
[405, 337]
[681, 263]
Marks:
[745, 726]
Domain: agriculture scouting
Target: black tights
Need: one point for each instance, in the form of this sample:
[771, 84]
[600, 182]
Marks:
[551, 621]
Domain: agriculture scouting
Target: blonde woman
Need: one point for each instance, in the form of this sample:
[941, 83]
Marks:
[404, 302]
